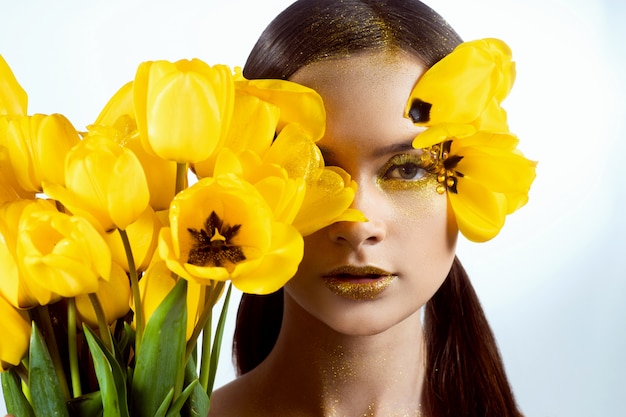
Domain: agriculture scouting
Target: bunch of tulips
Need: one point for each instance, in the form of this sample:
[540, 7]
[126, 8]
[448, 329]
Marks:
[117, 240]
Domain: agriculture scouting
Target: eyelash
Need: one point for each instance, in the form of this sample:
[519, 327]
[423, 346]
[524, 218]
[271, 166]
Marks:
[403, 160]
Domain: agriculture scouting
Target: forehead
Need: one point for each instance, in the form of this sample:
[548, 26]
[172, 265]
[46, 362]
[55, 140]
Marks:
[365, 95]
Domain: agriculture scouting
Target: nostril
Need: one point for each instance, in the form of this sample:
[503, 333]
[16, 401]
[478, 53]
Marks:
[356, 234]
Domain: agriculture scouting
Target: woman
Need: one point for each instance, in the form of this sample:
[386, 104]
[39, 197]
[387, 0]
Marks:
[380, 318]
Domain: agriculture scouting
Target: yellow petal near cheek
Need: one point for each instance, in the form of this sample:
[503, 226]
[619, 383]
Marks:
[479, 212]
[278, 265]
[327, 198]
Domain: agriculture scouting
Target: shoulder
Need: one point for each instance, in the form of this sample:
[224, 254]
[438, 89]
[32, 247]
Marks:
[239, 398]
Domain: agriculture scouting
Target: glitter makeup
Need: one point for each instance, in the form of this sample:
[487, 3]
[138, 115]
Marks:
[358, 283]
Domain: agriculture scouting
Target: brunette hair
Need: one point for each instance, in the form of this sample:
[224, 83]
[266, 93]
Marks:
[465, 375]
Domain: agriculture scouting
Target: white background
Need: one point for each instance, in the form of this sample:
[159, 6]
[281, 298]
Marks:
[552, 282]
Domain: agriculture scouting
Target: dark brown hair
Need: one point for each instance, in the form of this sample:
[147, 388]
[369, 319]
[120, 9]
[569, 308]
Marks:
[465, 375]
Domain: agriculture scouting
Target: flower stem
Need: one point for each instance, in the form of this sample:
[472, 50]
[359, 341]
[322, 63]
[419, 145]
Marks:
[205, 364]
[181, 176]
[134, 285]
[43, 316]
[71, 344]
[213, 293]
[105, 334]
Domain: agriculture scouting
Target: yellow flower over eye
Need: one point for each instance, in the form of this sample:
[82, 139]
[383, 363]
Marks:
[222, 228]
[183, 109]
[37, 146]
[468, 143]
[104, 183]
[15, 330]
[329, 190]
[13, 98]
[486, 178]
[465, 87]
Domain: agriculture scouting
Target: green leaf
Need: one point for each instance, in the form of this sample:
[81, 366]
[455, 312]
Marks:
[110, 377]
[217, 342]
[165, 405]
[180, 401]
[87, 405]
[160, 361]
[46, 392]
[15, 400]
[198, 402]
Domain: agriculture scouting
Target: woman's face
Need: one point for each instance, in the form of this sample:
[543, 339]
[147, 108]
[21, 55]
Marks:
[362, 278]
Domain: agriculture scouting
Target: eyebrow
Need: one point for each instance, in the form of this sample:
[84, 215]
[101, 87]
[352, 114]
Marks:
[376, 152]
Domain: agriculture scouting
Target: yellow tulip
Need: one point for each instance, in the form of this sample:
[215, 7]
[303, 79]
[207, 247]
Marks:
[114, 297]
[465, 87]
[183, 109]
[13, 98]
[158, 281]
[15, 330]
[62, 253]
[117, 120]
[298, 104]
[7, 174]
[15, 287]
[222, 228]
[7, 193]
[37, 146]
[486, 179]
[143, 236]
[252, 129]
[329, 190]
[104, 183]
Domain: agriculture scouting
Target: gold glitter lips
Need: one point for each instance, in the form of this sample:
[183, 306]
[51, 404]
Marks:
[358, 282]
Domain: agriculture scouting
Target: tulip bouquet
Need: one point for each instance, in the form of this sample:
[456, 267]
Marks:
[116, 241]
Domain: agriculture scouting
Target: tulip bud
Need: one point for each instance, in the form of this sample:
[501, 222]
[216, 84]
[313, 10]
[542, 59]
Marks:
[183, 109]
[37, 146]
[104, 183]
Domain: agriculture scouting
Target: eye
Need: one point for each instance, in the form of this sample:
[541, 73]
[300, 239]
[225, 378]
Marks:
[406, 167]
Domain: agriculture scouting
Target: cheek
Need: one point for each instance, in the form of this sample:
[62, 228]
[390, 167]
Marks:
[425, 222]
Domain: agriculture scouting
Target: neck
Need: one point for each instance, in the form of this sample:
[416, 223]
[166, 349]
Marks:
[320, 371]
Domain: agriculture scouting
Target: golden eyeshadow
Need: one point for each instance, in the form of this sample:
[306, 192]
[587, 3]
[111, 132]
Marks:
[426, 183]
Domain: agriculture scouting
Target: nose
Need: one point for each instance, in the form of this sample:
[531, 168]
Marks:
[358, 234]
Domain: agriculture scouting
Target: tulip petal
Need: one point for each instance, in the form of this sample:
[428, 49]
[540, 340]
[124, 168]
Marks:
[479, 212]
[15, 330]
[13, 98]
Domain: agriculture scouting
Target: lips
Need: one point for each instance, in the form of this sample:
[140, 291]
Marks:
[358, 282]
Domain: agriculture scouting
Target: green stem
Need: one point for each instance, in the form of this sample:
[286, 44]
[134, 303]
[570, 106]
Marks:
[43, 314]
[134, 285]
[105, 334]
[181, 176]
[72, 348]
[214, 293]
[205, 364]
